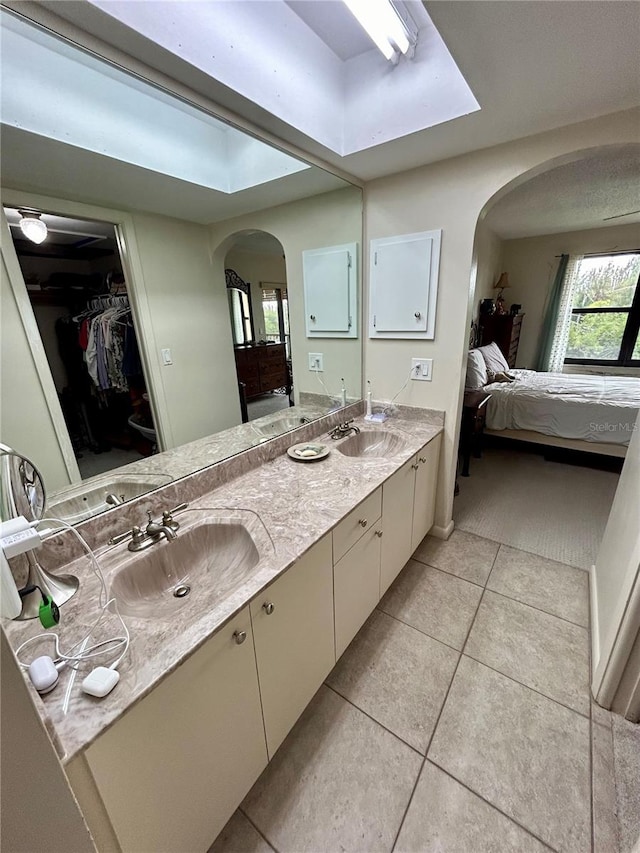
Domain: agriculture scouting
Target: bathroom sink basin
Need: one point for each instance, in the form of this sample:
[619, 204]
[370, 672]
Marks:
[279, 425]
[85, 500]
[371, 444]
[204, 564]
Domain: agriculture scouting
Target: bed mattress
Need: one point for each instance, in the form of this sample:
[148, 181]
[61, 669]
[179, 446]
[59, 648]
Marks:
[600, 409]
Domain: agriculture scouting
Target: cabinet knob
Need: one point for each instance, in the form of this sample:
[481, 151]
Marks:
[417, 315]
[268, 607]
[379, 534]
[362, 522]
[422, 459]
[414, 466]
[312, 317]
[239, 637]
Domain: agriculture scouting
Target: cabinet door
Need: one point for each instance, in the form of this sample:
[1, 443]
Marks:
[424, 506]
[172, 771]
[294, 639]
[397, 523]
[356, 587]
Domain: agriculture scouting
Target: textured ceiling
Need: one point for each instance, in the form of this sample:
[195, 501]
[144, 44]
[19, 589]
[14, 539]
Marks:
[573, 197]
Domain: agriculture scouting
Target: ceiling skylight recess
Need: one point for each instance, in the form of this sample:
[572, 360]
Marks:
[392, 33]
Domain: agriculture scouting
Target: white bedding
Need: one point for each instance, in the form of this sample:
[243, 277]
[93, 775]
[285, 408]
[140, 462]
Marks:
[578, 406]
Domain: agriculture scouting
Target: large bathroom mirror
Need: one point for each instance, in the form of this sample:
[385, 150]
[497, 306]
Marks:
[168, 228]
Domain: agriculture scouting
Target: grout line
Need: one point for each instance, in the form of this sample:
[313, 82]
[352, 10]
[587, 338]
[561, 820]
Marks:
[524, 551]
[261, 834]
[435, 728]
[419, 630]
[539, 609]
[373, 719]
[452, 574]
[490, 804]
[527, 686]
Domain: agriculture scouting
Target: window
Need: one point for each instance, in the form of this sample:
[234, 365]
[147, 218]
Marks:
[605, 315]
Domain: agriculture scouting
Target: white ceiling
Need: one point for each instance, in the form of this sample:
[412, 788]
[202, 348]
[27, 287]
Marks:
[574, 197]
[533, 65]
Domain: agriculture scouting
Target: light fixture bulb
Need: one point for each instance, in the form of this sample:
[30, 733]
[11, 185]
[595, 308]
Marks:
[33, 227]
[383, 25]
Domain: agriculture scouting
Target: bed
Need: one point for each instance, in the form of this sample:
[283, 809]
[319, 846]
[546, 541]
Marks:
[577, 411]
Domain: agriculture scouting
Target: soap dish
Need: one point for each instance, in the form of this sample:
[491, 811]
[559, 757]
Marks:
[308, 452]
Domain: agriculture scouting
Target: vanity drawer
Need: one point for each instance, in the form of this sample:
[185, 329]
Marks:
[355, 525]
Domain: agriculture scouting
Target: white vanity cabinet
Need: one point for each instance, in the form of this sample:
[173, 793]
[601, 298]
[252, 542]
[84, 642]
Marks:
[171, 772]
[294, 640]
[424, 501]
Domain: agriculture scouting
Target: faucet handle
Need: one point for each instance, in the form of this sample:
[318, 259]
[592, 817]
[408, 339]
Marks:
[167, 516]
[135, 533]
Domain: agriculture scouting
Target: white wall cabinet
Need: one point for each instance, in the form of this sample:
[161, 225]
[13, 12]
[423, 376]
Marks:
[331, 291]
[404, 285]
[172, 771]
[294, 640]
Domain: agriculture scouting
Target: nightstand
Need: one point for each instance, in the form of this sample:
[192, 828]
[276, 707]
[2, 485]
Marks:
[474, 407]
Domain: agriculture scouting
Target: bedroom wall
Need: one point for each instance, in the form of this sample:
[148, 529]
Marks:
[532, 263]
[452, 195]
[255, 267]
[488, 251]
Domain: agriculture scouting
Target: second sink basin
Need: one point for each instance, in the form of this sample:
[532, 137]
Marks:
[203, 565]
[371, 444]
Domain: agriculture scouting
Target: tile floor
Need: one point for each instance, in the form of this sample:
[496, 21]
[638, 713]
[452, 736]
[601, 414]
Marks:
[458, 719]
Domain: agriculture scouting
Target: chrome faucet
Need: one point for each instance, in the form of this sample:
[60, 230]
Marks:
[342, 430]
[155, 531]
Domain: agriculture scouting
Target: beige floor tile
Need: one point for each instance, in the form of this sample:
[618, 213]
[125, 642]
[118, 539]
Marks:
[605, 819]
[445, 816]
[397, 675]
[523, 753]
[434, 602]
[545, 584]
[537, 649]
[463, 554]
[626, 749]
[339, 782]
[239, 836]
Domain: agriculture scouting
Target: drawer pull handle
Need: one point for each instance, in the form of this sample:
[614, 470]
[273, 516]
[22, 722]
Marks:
[379, 534]
[268, 607]
[362, 522]
[239, 637]
[422, 459]
[415, 467]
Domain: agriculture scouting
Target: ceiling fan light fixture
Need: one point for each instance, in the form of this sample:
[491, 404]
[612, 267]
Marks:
[384, 25]
[32, 226]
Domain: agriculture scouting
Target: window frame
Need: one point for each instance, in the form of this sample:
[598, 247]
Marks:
[631, 331]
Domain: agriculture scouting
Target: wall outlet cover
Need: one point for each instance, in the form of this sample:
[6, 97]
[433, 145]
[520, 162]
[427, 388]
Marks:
[422, 369]
[316, 362]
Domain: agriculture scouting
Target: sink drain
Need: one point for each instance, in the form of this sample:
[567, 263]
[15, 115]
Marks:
[181, 591]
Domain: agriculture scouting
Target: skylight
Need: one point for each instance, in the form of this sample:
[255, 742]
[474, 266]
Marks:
[55, 90]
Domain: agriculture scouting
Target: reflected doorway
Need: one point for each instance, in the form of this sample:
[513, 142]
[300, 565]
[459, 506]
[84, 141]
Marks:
[255, 275]
[76, 286]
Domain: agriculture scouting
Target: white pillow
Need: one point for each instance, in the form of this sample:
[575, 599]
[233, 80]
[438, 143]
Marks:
[477, 376]
[494, 360]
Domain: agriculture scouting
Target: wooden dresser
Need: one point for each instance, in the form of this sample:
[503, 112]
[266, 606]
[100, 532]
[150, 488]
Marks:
[504, 329]
[262, 368]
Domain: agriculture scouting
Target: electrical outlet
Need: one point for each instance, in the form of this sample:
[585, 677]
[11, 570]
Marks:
[422, 369]
[316, 362]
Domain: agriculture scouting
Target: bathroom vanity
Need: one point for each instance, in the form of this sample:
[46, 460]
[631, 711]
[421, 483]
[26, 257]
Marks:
[212, 687]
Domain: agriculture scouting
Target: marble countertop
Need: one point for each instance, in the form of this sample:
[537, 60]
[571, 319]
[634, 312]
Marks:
[287, 507]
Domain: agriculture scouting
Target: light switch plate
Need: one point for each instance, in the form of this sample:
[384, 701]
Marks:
[316, 362]
[166, 356]
[422, 369]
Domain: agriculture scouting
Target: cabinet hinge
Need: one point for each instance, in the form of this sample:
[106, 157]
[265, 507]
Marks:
[348, 260]
[374, 321]
[375, 259]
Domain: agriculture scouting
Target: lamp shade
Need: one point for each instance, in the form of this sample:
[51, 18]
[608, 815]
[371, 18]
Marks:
[33, 227]
[502, 282]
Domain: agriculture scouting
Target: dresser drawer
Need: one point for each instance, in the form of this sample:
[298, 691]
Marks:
[356, 524]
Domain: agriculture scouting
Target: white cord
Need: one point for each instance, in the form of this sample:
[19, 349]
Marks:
[411, 372]
[91, 651]
[321, 381]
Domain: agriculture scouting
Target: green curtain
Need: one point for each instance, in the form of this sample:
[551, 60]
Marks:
[551, 316]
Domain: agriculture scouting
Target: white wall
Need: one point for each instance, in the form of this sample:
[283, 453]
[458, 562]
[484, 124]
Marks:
[190, 315]
[488, 252]
[614, 576]
[451, 195]
[532, 263]
[324, 220]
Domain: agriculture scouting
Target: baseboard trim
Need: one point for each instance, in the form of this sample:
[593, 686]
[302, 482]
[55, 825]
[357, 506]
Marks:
[442, 532]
